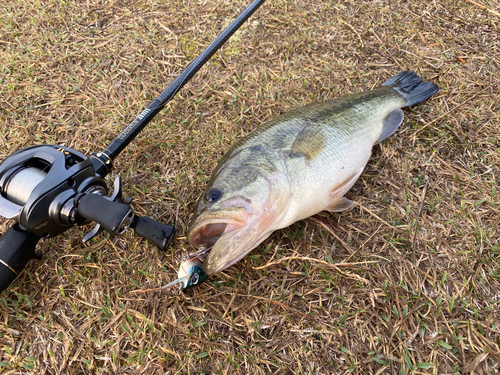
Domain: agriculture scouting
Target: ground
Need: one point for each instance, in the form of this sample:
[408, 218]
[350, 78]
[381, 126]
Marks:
[405, 282]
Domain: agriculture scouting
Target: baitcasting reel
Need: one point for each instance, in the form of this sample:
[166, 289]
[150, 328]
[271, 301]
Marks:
[48, 189]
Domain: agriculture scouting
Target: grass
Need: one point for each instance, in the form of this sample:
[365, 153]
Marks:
[380, 289]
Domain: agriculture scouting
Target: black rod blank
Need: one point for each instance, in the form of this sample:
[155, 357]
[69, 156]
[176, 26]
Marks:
[102, 161]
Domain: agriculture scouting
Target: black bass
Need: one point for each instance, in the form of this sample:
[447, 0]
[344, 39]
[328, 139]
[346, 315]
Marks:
[295, 166]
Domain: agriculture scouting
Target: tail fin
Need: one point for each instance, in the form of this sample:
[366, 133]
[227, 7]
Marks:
[409, 85]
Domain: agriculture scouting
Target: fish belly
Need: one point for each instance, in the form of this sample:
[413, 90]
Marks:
[317, 183]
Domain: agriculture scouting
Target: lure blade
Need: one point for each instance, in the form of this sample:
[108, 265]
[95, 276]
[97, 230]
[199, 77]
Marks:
[180, 280]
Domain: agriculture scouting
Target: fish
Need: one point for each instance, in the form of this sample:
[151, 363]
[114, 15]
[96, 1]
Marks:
[295, 166]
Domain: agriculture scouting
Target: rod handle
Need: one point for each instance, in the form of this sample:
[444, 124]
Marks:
[17, 248]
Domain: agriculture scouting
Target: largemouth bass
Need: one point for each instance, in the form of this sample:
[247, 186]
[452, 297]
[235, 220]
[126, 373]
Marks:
[295, 166]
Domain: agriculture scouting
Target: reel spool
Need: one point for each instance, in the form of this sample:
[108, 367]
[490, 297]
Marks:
[22, 183]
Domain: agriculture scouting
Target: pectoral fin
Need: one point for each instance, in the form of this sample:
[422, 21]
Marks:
[309, 142]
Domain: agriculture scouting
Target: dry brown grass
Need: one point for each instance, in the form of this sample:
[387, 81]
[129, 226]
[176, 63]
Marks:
[410, 292]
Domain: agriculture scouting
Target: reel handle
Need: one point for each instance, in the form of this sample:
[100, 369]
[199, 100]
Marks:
[115, 217]
[17, 248]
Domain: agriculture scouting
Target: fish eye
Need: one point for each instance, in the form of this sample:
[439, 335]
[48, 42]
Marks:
[213, 195]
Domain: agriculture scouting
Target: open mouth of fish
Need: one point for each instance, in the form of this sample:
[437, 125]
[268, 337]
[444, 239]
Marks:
[207, 231]
[224, 233]
[228, 239]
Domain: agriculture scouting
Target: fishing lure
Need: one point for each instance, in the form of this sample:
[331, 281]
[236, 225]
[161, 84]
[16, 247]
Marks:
[191, 270]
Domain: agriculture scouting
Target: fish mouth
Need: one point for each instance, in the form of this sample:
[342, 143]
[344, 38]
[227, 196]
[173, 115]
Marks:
[230, 240]
[232, 231]
[229, 232]
[233, 245]
[209, 233]
[207, 229]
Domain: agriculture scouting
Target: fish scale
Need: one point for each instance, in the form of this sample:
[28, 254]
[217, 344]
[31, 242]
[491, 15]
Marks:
[295, 166]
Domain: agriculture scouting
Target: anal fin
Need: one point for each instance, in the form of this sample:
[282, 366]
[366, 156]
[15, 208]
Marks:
[391, 123]
[340, 205]
[339, 202]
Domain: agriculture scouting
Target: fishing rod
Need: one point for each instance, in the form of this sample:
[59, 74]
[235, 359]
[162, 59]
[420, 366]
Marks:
[48, 189]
